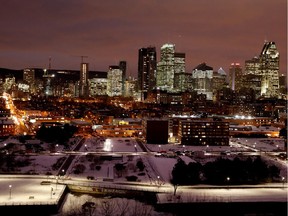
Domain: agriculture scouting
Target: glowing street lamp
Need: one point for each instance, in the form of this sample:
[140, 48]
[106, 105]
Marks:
[228, 180]
[10, 191]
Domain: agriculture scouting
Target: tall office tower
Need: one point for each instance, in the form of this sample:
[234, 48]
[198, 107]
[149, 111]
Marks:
[114, 81]
[29, 78]
[83, 82]
[252, 66]
[147, 65]
[165, 68]
[179, 72]
[202, 80]
[235, 76]
[47, 79]
[269, 69]
[123, 67]
[252, 75]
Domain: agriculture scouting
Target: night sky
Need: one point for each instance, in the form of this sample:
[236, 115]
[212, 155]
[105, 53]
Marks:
[217, 32]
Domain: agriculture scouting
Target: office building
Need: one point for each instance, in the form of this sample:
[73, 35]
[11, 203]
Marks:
[235, 76]
[114, 81]
[204, 132]
[202, 80]
[179, 72]
[269, 67]
[147, 66]
[83, 83]
[165, 68]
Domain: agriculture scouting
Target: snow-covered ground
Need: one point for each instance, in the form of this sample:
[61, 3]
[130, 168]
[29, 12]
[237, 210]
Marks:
[157, 169]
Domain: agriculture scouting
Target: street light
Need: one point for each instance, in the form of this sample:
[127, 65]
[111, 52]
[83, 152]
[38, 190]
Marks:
[228, 179]
[10, 191]
[283, 180]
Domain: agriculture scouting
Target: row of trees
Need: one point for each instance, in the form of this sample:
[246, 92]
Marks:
[224, 171]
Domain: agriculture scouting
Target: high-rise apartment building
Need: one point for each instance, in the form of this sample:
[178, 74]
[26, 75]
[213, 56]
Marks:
[235, 76]
[114, 81]
[147, 66]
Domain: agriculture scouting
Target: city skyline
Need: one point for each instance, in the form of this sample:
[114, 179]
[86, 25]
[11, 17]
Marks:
[217, 33]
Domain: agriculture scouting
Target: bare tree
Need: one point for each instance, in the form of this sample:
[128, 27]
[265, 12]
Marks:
[107, 208]
[122, 207]
[140, 209]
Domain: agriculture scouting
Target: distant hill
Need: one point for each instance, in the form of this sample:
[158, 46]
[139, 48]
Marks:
[5, 72]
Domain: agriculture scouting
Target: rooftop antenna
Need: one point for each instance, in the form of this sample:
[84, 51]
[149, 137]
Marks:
[49, 67]
[82, 57]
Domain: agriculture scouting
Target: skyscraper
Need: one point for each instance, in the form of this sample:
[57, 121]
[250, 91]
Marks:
[179, 72]
[147, 65]
[29, 78]
[123, 68]
[114, 81]
[269, 68]
[165, 68]
[171, 70]
[83, 84]
[202, 80]
[235, 76]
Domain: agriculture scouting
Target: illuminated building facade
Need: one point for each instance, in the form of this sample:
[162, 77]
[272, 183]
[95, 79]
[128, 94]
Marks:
[83, 83]
[179, 72]
[114, 81]
[97, 86]
[147, 65]
[171, 70]
[165, 68]
[269, 67]
[29, 79]
[202, 80]
[7, 127]
[204, 132]
[97, 82]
